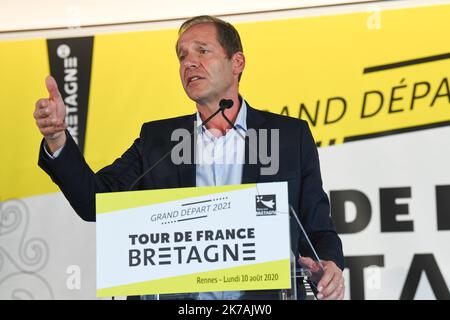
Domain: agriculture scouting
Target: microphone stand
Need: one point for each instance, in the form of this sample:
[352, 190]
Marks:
[291, 210]
[223, 104]
[221, 108]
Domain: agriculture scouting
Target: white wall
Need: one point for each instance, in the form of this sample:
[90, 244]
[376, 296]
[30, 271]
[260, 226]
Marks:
[51, 13]
[30, 18]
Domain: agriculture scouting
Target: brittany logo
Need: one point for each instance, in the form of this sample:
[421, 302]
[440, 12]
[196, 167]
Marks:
[70, 64]
[266, 205]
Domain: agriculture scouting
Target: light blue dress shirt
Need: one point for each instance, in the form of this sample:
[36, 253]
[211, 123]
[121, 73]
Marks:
[219, 161]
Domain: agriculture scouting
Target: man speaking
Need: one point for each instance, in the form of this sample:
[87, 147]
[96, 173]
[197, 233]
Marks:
[211, 61]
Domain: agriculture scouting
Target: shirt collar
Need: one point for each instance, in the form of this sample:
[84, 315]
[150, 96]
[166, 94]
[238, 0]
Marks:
[241, 119]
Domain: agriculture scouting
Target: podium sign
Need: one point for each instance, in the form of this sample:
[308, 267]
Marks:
[193, 240]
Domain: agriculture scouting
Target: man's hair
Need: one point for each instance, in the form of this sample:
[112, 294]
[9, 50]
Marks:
[227, 35]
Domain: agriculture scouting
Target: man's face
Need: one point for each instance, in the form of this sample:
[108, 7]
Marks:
[205, 70]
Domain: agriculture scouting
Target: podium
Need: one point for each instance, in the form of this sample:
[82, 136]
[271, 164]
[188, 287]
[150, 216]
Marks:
[179, 243]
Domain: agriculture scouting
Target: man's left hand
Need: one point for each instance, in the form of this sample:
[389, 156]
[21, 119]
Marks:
[331, 284]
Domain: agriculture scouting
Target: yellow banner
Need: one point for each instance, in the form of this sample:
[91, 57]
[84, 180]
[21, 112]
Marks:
[349, 77]
[262, 276]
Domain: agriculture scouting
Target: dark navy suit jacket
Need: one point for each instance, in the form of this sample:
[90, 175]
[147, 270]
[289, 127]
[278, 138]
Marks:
[298, 164]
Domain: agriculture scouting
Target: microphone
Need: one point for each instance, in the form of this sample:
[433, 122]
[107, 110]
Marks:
[227, 104]
[223, 104]
[320, 272]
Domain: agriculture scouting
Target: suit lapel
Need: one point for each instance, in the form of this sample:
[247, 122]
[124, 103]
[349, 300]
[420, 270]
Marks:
[186, 172]
[251, 171]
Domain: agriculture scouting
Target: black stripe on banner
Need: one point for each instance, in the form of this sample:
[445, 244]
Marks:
[70, 64]
[406, 63]
[396, 131]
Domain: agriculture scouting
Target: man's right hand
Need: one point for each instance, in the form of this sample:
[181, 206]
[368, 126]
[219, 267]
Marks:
[50, 116]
